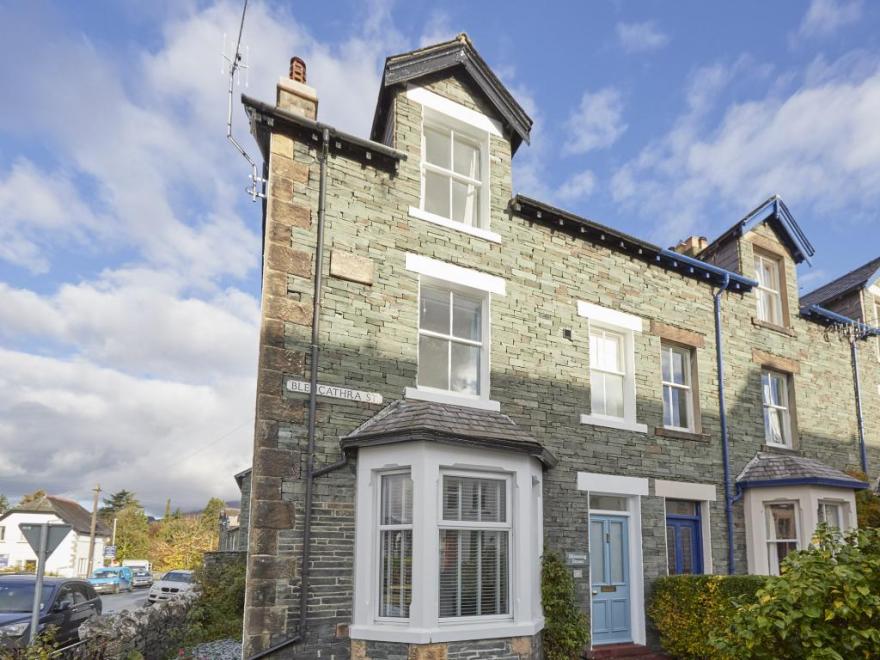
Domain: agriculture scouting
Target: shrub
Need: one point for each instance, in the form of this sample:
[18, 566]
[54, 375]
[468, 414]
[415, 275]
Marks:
[566, 631]
[867, 503]
[688, 610]
[826, 604]
[219, 607]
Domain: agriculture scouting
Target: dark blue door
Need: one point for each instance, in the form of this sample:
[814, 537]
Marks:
[684, 545]
[609, 578]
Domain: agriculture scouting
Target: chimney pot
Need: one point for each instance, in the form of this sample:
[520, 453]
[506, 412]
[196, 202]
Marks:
[692, 245]
[298, 70]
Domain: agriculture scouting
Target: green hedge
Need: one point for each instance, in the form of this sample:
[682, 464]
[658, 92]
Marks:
[566, 631]
[690, 610]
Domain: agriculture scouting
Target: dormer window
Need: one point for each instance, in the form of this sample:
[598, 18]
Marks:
[452, 176]
[769, 291]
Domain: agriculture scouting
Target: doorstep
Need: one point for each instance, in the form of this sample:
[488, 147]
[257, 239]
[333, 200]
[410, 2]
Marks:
[630, 651]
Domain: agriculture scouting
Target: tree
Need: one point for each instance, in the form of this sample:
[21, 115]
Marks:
[132, 533]
[32, 498]
[117, 502]
[4, 504]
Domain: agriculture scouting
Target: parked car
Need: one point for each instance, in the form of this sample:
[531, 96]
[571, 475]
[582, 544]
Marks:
[141, 577]
[172, 583]
[65, 604]
[112, 579]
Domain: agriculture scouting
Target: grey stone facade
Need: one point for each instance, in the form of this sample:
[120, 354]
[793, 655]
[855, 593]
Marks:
[539, 369]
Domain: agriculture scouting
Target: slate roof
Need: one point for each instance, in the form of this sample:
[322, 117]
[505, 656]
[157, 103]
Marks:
[851, 281]
[408, 420]
[67, 510]
[455, 53]
[771, 469]
[774, 210]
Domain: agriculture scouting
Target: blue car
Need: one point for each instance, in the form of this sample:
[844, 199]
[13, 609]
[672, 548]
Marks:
[112, 579]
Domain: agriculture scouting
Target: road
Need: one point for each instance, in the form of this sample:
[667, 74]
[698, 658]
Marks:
[125, 600]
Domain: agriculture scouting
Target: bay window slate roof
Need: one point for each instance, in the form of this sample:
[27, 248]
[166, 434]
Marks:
[771, 469]
[407, 420]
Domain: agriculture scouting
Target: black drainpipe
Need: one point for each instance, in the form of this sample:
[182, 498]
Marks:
[314, 356]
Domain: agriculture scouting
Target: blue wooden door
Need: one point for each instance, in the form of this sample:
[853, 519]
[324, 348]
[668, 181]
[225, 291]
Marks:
[684, 546]
[609, 578]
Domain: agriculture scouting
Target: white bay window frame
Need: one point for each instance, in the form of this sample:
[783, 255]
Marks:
[427, 462]
[626, 326]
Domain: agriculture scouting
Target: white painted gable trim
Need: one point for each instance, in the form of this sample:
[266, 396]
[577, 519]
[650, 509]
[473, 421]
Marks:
[685, 490]
[606, 316]
[455, 110]
[611, 483]
[455, 274]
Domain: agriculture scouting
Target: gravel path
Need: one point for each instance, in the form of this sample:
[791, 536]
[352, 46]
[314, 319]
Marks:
[223, 649]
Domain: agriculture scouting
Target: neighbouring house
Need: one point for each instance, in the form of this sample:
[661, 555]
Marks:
[454, 378]
[71, 558]
[234, 521]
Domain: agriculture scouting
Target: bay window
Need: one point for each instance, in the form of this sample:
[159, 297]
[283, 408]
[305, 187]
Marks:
[782, 533]
[831, 513]
[395, 545]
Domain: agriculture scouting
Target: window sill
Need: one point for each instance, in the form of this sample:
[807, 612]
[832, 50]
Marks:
[779, 449]
[445, 633]
[681, 435]
[610, 422]
[772, 326]
[451, 399]
[485, 234]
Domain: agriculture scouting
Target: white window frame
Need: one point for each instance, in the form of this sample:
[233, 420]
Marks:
[784, 410]
[380, 475]
[438, 111]
[619, 371]
[471, 282]
[821, 514]
[688, 385]
[625, 325]
[772, 541]
[766, 289]
[426, 461]
[479, 525]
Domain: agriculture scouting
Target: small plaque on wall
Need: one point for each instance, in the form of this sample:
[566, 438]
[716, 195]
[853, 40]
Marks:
[576, 558]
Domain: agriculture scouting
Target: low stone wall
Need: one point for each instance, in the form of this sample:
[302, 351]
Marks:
[156, 632]
[509, 648]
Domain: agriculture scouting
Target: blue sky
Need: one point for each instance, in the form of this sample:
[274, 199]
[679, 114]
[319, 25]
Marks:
[129, 254]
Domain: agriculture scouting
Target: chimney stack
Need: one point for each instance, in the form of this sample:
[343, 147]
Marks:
[294, 95]
[692, 246]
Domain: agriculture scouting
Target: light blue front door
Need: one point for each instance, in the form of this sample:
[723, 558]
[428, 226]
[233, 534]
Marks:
[609, 577]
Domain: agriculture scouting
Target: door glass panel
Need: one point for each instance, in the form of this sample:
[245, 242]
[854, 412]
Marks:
[670, 549]
[681, 508]
[608, 502]
[615, 543]
[597, 552]
[687, 549]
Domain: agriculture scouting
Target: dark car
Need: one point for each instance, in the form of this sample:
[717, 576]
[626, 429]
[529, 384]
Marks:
[65, 603]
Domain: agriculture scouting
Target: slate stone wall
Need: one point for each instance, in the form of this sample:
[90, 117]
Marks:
[540, 376]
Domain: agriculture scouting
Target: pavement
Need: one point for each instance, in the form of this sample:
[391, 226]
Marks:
[124, 601]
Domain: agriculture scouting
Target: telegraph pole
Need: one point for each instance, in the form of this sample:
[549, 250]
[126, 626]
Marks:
[97, 490]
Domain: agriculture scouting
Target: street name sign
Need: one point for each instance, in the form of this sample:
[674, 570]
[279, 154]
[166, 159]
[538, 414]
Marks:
[303, 387]
[110, 552]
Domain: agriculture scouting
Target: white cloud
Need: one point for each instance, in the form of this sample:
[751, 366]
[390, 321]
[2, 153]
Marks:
[437, 29]
[816, 145]
[825, 17]
[577, 187]
[597, 122]
[641, 37]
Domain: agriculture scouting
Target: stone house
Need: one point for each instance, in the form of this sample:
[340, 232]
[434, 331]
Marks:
[71, 558]
[454, 378]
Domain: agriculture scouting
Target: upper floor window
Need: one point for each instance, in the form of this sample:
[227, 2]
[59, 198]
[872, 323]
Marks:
[452, 174]
[678, 395]
[451, 347]
[777, 408]
[782, 532]
[607, 372]
[769, 291]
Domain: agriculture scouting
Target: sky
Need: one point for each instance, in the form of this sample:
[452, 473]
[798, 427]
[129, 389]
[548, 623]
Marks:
[130, 253]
